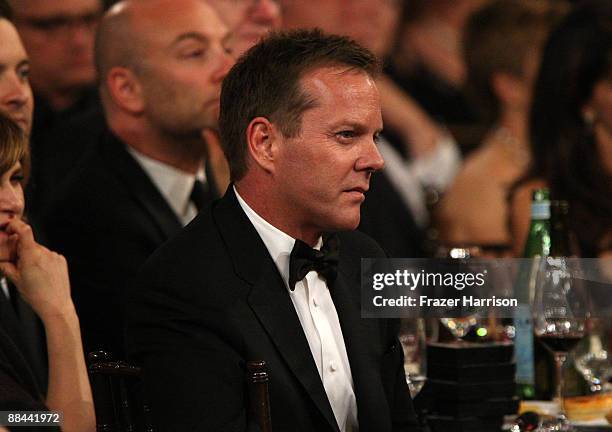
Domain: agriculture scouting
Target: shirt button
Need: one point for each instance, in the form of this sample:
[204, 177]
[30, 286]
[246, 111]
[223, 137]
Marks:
[332, 366]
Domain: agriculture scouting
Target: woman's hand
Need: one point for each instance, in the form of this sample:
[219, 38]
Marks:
[41, 276]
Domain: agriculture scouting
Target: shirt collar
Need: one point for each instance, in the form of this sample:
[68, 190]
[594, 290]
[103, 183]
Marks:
[278, 243]
[175, 185]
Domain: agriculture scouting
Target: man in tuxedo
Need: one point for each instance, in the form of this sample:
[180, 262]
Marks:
[272, 270]
[160, 63]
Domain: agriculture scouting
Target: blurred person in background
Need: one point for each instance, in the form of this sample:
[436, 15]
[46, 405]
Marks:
[16, 103]
[39, 278]
[570, 129]
[58, 37]
[16, 99]
[427, 61]
[147, 175]
[395, 212]
[248, 21]
[502, 46]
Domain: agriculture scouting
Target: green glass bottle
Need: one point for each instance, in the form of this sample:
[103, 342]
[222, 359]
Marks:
[537, 246]
[538, 239]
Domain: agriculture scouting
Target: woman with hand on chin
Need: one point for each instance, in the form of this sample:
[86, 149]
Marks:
[41, 278]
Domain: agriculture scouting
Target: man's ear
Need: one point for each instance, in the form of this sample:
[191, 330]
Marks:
[125, 90]
[262, 142]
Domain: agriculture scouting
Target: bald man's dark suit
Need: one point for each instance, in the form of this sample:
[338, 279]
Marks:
[212, 298]
[106, 220]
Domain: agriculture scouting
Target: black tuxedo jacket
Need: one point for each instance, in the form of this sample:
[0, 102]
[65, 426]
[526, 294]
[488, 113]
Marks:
[106, 220]
[20, 325]
[212, 299]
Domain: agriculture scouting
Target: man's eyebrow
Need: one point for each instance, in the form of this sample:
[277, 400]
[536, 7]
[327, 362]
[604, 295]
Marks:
[189, 35]
[353, 124]
[24, 62]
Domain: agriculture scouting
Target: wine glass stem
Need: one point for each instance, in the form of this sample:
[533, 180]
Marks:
[560, 358]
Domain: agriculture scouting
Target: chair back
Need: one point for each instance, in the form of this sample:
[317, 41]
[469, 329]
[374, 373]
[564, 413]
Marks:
[118, 397]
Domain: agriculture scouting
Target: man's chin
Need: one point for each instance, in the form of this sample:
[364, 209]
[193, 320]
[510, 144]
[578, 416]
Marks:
[349, 223]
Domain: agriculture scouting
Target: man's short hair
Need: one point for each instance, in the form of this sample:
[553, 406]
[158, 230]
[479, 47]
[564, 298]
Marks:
[265, 82]
[498, 38]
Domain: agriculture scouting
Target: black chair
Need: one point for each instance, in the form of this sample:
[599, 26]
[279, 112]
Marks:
[118, 397]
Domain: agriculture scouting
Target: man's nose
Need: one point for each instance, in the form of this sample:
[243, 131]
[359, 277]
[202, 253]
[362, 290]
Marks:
[15, 92]
[266, 12]
[371, 159]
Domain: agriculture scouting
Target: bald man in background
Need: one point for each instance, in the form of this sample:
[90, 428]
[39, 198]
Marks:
[145, 178]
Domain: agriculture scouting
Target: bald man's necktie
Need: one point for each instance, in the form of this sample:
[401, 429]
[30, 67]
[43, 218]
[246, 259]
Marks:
[200, 194]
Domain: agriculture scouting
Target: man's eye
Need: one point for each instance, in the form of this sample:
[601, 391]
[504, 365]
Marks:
[194, 53]
[346, 134]
[24, 73]
[377, 138]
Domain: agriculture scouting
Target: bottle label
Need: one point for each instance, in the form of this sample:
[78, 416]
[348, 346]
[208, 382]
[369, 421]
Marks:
[540, 210]
[523, 345]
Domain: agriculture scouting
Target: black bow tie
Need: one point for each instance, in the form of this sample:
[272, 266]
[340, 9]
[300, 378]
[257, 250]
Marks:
[304, 259]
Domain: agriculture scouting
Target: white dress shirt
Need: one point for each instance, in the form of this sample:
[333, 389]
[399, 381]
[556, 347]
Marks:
[5, 288]
[175, 185]
[319, 319]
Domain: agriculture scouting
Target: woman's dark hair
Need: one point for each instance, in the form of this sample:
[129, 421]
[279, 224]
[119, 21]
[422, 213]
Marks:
[13, 147]
[564, 151]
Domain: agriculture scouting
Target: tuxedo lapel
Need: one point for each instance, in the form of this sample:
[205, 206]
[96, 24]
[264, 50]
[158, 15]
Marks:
[142, 189]
[361, 351]
[269, 299]
[271, 303]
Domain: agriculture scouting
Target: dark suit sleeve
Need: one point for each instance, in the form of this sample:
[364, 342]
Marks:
[401, 408]
[194, 378]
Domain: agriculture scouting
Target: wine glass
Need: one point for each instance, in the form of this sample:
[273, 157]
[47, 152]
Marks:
[560, 312]
[413, 339]
[596, 369]
[460, 326]
[593, 360]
